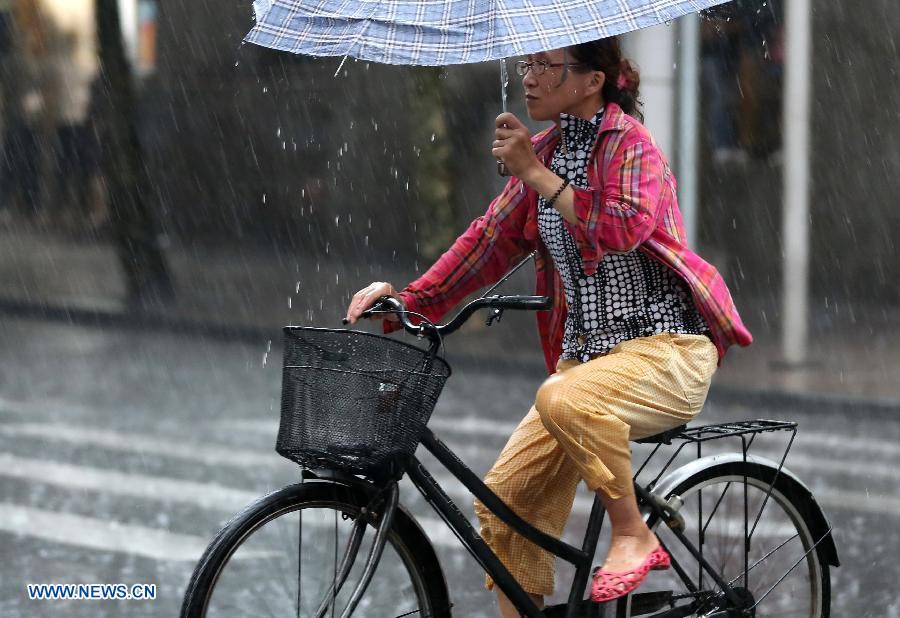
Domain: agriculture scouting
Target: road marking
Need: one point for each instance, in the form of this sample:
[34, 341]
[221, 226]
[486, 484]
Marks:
[102, 535]
[144, 445]
[30, 407]
[476, 426]
[472, 425]
[813, 466]
[466, 425]
[162, 545]
[254, 425]
[859, 501]
[211, 496]
[870, 446]
[127, 538]
[243, 458]
[204, 495]
[155, 487]
[860, 470]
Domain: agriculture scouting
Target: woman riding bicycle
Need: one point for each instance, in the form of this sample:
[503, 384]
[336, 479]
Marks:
[639, 322]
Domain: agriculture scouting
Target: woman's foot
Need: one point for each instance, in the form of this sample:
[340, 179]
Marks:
[626, 552]
[630, 560]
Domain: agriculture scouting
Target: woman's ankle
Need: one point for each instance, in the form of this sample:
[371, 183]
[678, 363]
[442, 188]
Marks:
[638, 531]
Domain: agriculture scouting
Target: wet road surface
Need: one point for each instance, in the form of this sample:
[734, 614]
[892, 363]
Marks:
[122, 454]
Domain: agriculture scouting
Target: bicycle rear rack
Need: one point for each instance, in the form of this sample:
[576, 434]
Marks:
[745, 431]
[740, 428]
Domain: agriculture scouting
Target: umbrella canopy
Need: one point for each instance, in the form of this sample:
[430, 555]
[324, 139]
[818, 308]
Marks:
[442, 32]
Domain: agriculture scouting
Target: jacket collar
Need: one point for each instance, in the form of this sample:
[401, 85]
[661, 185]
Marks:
[614, 119]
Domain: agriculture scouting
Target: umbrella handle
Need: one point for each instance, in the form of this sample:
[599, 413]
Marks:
[501, 166]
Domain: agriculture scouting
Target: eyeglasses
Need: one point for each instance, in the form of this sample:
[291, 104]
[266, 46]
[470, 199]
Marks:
[539, 67]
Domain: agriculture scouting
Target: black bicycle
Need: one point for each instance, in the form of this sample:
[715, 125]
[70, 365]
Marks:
[746, 536]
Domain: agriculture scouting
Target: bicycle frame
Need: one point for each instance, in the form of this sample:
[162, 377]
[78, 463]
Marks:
[479, 549]
[648, 498]
[581, 559]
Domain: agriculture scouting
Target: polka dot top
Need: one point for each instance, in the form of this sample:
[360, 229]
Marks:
[631, 295]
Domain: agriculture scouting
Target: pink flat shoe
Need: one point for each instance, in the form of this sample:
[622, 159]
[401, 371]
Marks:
[609, 586]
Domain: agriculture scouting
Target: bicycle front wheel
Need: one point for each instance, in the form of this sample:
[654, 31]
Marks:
[282, 555]
[755, 535]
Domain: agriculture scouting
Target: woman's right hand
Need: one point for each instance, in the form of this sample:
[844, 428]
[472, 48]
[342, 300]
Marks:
[366, 297]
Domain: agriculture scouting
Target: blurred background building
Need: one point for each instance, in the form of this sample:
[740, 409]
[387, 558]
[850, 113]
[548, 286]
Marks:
[243, 173]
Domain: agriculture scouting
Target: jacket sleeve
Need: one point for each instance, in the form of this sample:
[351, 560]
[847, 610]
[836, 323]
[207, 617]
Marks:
[479, 257]
[620, 215]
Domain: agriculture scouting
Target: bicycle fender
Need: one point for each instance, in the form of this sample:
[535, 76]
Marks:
[787, 482]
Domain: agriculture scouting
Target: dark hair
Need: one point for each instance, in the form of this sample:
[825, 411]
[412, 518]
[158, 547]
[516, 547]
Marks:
[606, 55]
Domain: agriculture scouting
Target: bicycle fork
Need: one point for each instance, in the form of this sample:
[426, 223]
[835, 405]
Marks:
[382, 529]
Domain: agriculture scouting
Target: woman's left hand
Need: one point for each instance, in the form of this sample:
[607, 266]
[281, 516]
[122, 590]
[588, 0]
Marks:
[512, 145]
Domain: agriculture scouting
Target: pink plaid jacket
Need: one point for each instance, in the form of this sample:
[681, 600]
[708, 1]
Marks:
[630, 204]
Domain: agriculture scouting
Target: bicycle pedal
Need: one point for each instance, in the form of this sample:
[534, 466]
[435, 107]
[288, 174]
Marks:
[646, 602]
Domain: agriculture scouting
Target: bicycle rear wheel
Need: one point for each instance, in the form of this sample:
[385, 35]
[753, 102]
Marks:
[281, 555]
[778, 572]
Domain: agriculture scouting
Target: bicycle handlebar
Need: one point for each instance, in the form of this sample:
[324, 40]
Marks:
[436, 332]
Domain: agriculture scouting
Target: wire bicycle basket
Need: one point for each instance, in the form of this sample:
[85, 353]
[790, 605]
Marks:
[355, 401]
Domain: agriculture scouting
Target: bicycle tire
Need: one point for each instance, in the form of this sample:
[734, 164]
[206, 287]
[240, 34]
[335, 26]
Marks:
[795, 507]
[406, 539]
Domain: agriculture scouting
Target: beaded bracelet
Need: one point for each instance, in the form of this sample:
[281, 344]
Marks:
[559, 191]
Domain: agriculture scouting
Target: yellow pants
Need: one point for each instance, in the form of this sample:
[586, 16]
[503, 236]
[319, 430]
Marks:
[579, 428]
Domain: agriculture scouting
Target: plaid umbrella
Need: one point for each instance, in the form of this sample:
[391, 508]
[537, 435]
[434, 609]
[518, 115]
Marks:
[442, 32]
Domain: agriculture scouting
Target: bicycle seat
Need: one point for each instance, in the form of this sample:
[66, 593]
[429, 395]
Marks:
[665, 437]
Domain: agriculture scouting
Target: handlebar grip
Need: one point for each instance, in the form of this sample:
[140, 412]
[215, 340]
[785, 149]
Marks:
[385, 303]
[395, 305]
[530, 303]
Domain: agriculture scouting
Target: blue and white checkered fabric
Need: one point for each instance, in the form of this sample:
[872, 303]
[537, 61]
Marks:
[441, 32]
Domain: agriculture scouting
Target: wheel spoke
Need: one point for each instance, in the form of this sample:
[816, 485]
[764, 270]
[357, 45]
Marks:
[795, 565]
[713, 507]
[334, 585]
[300, 561]
[356, 536]
[753, 566]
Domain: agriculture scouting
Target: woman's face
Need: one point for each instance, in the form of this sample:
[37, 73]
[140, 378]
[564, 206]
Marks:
[547, 95]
